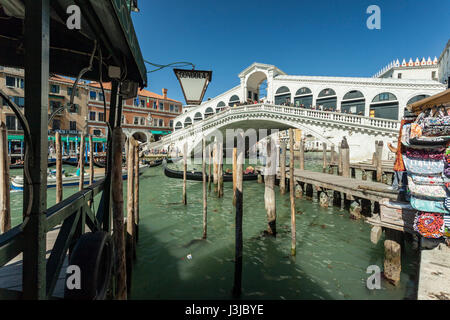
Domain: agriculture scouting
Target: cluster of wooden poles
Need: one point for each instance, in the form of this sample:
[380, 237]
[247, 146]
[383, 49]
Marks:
[215, 153]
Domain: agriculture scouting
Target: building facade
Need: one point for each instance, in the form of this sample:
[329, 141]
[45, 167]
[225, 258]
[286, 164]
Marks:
[147, 117]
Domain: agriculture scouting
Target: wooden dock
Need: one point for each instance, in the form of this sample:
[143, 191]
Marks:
[11, 273]
[434, 279]
[369, 190]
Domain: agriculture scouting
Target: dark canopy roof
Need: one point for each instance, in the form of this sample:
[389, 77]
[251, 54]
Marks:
[106, 21]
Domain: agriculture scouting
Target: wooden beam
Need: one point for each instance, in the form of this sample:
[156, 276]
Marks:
[283, 168]
[5, 204]
[291, 192]
[184, 173]
[81, 162]
[59, 184]
[205, 205]
[269, 194]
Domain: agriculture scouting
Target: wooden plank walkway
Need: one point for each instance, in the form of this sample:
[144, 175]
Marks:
[11, 273]
[348, 186]
[434, 279]
[387, 166]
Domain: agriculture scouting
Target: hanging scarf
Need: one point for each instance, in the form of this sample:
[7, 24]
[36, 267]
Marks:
[429, 225]
[398, 165]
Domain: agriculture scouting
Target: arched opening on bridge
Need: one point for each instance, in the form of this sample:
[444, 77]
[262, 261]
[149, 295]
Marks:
[178, 125]
[209, 112]
[220, 106]
[303, 98]
[256, 86]
[283, 96]
[198, 117]
[140, 136]
[384, 105]
[327, 98]
[353, 103]
[412, 100]
[187, 122]
[234, 101]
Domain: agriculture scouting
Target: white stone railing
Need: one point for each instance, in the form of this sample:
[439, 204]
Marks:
[376, 124]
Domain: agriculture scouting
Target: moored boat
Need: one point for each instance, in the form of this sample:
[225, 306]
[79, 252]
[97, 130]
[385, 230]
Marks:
[198, 176]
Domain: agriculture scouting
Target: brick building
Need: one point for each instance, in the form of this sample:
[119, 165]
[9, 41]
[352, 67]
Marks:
[147, 115]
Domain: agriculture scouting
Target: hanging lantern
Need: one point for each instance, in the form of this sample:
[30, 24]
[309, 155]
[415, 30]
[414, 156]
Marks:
[194, 84]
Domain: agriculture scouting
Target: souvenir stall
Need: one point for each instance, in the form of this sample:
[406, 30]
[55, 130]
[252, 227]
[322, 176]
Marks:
[426, 158]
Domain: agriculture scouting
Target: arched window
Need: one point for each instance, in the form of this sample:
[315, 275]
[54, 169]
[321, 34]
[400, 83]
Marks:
[327, 100]
[179, 125]
[384, 105]
[234, 100]
[327, 93]
[220, 106]
[303, 98]
[412, 100]
[303, 91]
[198, 117]
[187, 122]
[283, 96]
[209, 112]
[353, 103]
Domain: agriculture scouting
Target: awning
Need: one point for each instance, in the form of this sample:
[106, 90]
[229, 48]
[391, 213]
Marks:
[108, 22]
[160, 132]
[55, 96]
[436, 100]
[63, 138]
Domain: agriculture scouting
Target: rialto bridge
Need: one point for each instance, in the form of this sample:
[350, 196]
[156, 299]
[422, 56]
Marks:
[361, 109]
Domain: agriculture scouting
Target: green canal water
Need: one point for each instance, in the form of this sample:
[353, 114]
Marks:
[333, 251]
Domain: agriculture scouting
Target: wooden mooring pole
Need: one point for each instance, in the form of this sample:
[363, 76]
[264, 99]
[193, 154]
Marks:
[81, 161]
[184, 173]
[291, 192]
[136, 196]
[283, 168]
[91, 160]
[379, 154]
[5, 203]
[269, 194]
[324, 156]
[205, 206]
[220, 170]
[129, 248]
[234, 174]
[302, 154]
[117, 210]
[345, 158]
[238, 222]
[215, 176]
[59, 184]
[209, 165]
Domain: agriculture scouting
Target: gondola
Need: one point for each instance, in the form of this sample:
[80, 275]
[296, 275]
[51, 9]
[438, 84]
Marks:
[154, 163]
[51, 163]
[74, 163]
[198, 176]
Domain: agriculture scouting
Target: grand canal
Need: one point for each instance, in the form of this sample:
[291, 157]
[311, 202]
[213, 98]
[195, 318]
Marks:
[333, 251]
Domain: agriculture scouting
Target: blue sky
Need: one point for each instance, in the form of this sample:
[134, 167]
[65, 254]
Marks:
[302, 37]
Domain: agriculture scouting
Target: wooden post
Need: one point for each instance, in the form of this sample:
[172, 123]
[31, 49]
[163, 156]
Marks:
[59, 184]
[215, 179]
[234, 174]
[340, 160]
[220, 170]
[184, 173]
[81, 162]
[117, 209]
[209, 162]
[283, 168]
[302, 154]
[324, 156]
[379, 153]
[5, 204]
[238, 222]
[345, 158]
[91, 160]
[332, 156]
[392, 256]
[129, 252]
[291, 191]
[269, 194]
[205, 207]
[136, 195]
